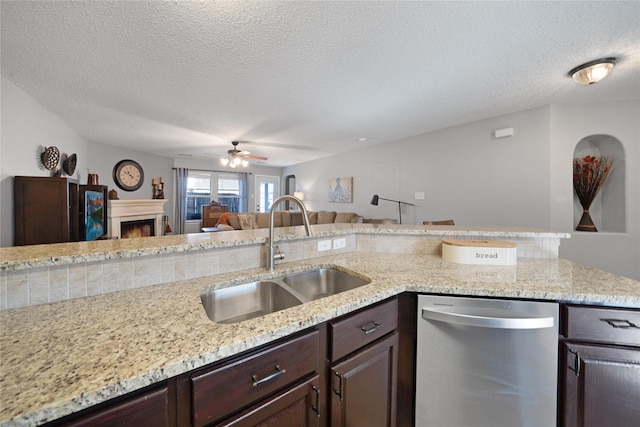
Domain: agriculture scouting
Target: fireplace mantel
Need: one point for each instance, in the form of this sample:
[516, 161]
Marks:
[134, 210]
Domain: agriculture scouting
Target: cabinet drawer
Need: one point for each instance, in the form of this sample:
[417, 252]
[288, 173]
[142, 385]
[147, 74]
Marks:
[229, 388]
[147, 409]
[362, 328]
[606, 325]
[296, 406]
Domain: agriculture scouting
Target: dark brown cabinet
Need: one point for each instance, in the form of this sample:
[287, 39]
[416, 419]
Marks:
[298, 406]
[364, 386]
[339, 373]
[600, 367]
[153, 408]
[211, 214]
[264, 377]
[364, 363]
[45, 210]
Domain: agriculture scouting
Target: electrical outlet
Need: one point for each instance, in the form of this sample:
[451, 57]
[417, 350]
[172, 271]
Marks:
[339, 243]
[324, 245]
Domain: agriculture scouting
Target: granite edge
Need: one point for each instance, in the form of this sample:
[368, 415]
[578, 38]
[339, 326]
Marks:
[205, 241]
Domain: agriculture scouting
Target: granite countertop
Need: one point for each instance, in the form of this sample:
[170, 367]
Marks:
[62, 357]
[23, 257]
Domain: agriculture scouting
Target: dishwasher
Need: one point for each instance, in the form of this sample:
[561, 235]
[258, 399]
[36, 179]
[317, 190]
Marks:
[486, 362]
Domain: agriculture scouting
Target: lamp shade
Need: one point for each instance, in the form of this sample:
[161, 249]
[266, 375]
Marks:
[374, 200]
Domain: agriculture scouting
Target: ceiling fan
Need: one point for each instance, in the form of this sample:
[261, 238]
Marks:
[237, 157]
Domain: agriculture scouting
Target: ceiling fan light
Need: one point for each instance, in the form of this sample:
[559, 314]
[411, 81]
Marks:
[245, 163]
[236, 161]
[224, 161]
[594, 71]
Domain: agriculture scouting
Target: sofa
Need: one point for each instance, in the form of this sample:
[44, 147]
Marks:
[249, 221]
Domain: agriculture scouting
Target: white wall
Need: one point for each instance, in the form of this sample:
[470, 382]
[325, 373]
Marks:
[474, 179]
[465, 173]
[617, 252]
[25, 125]
[103, 157]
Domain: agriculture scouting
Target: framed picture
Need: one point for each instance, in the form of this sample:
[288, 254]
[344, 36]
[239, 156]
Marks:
[93, 212]
[341, 189]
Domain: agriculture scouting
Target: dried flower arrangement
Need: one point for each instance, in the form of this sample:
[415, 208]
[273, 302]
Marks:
[589, 175]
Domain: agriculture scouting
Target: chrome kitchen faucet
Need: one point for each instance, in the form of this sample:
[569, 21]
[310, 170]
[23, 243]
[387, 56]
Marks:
[305, 218]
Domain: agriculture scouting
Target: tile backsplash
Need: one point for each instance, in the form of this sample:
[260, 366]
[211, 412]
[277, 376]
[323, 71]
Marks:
[20, 288]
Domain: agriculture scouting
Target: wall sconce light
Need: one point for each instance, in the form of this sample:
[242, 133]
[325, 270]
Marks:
[594, 71]
[374, 201]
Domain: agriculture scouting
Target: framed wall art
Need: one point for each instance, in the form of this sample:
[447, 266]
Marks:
[93, 212]
[341, 189]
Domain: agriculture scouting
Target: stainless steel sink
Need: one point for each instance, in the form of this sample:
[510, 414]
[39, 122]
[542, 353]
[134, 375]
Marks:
[323, 282]
[255, 299]
[242, 302]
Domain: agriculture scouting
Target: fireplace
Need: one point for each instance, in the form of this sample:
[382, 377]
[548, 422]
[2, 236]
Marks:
[140, 217]
[137, 228]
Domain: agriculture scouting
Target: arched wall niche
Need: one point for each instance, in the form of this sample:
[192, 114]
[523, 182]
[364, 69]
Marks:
[608, 210]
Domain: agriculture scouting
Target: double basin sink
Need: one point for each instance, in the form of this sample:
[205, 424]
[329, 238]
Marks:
[250, 300]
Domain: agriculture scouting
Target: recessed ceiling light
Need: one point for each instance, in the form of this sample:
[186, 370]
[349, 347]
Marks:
[362, 139]
[594, 71]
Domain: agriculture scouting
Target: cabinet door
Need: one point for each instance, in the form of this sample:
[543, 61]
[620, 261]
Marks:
[296, 407]
[601, 385]
[41, 210]
[364, 386]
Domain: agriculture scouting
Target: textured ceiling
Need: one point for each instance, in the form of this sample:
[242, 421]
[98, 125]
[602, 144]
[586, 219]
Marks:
[301, 80]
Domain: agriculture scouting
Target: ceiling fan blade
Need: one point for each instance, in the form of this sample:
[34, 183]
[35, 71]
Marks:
[244, 154]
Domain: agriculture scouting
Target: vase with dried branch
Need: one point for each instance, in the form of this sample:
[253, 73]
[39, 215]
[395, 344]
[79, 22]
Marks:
[589, 175]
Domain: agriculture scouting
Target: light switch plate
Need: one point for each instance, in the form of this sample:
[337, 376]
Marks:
[419, 195]
[339, 243]
[324, 245]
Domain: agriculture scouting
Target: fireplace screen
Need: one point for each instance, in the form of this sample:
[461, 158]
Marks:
[139, 228]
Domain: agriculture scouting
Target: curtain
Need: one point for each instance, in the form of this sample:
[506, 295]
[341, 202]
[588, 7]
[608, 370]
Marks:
[243, 180]
[182, 174]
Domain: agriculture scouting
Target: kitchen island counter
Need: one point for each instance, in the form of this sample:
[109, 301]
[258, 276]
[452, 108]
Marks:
[63, 357]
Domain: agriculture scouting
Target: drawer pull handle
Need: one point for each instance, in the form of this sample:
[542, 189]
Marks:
[375, 326]
[621, 323]
[276, 374]
[316, 408]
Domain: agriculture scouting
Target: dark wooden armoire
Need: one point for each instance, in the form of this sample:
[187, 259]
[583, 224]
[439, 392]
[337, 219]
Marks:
[45, 210]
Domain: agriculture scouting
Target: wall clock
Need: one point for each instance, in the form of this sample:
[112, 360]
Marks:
[128, 175]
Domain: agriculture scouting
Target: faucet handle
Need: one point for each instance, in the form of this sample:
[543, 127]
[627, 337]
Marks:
[277, 255]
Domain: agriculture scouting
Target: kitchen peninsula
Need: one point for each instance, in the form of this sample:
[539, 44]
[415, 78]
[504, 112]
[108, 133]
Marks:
[62, 357]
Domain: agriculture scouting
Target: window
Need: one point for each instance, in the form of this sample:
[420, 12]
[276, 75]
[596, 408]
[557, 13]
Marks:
[229, 191]
[198, 193]
[204, 186]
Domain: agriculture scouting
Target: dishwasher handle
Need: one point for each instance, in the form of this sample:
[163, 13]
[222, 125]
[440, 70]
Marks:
[486, 320]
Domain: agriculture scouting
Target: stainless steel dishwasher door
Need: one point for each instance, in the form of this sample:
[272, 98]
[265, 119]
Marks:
[485, 362]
